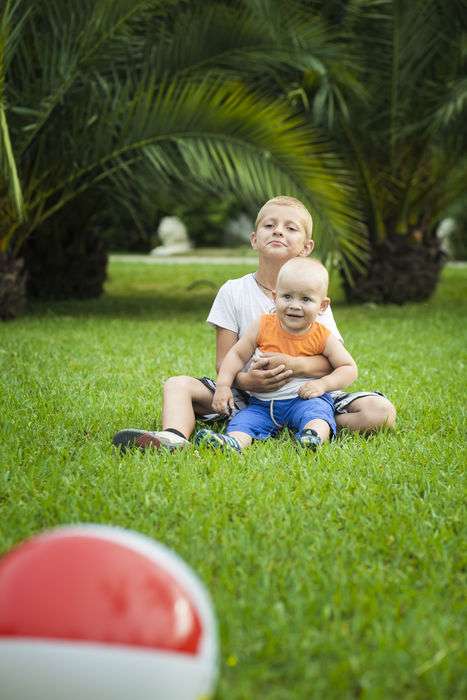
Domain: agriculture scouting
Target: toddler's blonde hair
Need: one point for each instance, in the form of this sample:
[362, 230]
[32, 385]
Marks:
[308, 267]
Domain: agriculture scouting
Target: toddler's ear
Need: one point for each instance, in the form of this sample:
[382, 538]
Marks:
[274, 295]
[324, 304]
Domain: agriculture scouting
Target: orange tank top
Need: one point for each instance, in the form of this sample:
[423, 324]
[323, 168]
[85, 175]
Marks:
[273, 338]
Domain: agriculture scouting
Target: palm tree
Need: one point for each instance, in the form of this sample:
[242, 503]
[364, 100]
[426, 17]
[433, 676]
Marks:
[404, 137]
[106, 90]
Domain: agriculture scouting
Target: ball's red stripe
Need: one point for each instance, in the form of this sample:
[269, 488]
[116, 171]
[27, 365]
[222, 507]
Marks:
[91, 589]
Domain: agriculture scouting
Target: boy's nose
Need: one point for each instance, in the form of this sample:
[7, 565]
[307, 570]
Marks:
[278, 231]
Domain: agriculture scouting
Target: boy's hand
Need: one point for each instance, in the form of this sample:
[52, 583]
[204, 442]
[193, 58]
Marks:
[312, 389]
[272, 360]
[261, 379]
[223, 401]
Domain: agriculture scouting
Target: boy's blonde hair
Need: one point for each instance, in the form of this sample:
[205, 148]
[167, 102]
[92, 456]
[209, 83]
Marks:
[286, 201]
[308, 267]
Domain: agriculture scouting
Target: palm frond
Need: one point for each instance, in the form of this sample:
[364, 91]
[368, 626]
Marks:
[237, 43]
[98, 37]
[91, 110]
[9, 35]
[452, 112]
[411, 123]
[212, 133]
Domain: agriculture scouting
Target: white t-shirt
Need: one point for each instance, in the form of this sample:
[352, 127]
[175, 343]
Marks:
[240, 302]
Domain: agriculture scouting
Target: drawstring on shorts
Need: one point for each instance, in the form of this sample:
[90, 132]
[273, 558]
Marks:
[271, 413]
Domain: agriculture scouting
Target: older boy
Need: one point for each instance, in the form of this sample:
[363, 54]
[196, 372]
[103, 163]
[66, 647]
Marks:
[283, 231]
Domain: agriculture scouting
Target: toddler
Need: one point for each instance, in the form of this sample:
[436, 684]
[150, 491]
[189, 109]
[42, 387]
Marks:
[304, 406]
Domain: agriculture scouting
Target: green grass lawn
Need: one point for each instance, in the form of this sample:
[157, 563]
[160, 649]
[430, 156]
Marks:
[335, 575]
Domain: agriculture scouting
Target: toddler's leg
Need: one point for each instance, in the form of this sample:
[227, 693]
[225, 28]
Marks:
[231, 441]
[321, 428]
[255, 418]
[314, 433]
[313, 419]
[243, 439]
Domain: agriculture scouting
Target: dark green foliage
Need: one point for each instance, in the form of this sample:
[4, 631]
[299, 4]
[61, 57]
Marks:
[206, 219]
[65, 262]
[399, 121]
[114, 98]
[459, 240]
[358, 108]
[126, 237]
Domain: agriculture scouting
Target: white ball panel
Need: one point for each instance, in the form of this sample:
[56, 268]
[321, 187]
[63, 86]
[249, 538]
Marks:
[46, 670]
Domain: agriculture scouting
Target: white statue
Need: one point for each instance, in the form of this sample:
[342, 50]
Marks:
[444, 232]
[238, 230]
[173, 236]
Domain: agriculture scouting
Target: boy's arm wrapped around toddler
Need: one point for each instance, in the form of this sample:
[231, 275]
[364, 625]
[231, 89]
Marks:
[300, 366]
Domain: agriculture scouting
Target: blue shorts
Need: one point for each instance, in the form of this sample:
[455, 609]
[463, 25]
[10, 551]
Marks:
[263, 419]
[342, 399]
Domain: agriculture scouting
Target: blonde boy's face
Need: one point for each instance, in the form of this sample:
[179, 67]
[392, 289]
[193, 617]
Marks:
[299, 299]
[281, 233]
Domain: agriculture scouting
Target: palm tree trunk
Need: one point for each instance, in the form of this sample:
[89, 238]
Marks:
[402, 268]
[12, 287]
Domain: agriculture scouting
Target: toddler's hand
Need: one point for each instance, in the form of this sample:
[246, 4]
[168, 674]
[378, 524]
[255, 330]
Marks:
[276, 359]
[223, 401]
[258, 361]
[312, 389]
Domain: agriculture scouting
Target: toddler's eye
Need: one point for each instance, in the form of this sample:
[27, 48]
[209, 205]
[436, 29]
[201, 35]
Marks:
[306, 299]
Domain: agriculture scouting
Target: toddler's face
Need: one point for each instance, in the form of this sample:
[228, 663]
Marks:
[299, 299]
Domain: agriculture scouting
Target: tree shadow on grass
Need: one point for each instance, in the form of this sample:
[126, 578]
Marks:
[142, 306]
[193, 297]
[161, 305]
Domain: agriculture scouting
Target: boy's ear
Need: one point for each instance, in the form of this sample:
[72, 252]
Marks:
[253, 239]
[324, 304]
[307, 248]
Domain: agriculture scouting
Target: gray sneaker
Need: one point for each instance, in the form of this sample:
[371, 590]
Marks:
[143, 439]
[310, 439]
[216, 441]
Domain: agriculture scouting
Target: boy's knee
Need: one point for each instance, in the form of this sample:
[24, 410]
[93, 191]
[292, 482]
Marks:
[368, 414]
[179, 384]
[379, 412]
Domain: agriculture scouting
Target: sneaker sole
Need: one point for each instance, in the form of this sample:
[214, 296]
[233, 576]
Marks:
[135, 438]
[309, 445]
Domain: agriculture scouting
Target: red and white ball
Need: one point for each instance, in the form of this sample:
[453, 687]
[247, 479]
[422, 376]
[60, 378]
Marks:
[90, 612]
